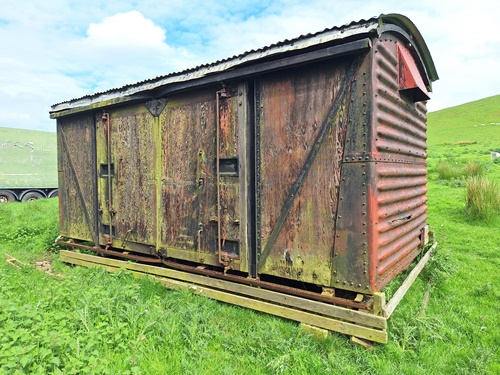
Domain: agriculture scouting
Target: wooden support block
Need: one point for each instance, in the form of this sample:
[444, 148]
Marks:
[319, 333]
[379, 303]
[426, 237]
[364, 343]
[359, 297]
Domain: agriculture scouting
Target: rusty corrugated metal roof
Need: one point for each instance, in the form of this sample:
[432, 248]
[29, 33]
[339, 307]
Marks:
[335, 33]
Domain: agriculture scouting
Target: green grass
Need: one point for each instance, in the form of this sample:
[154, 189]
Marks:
[28, 158]
[449, 170]
[483, 199]
[90, 321]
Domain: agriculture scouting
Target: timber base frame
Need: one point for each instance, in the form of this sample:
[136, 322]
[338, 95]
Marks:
[371, 326]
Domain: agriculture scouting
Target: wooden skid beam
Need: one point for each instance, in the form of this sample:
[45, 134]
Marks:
[400, 293]
[250, 297]
[353, 316]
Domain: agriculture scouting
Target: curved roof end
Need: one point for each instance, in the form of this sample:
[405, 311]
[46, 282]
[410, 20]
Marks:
[406, 24]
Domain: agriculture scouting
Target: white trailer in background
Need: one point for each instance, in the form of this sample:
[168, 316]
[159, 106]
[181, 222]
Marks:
[28, 165]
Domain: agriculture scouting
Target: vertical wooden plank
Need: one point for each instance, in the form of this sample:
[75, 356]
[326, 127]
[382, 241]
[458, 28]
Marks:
[76, 169]
[379, 303]
[132, 158]
[187, 127]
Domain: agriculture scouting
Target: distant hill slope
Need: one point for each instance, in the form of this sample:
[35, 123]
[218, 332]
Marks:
[28, 158]
[470, 122]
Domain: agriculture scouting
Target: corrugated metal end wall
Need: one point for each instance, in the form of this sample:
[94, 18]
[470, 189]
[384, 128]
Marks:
[398, 207]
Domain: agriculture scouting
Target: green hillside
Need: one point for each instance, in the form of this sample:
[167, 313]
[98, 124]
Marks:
[477, 121]
[28, 158]
[468, 132]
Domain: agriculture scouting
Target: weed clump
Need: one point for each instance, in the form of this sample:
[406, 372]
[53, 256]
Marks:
[450, 171]
[483, 198]
[473, 169]
[447, 171]
[456, 174]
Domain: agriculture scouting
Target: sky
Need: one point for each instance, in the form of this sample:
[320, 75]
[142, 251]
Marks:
[52, 51]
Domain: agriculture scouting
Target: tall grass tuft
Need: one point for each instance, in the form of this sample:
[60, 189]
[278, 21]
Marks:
[483, 198]
[450, 171]
[473, 169]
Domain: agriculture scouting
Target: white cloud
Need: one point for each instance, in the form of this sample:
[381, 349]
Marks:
[130, 30]
[123, 49]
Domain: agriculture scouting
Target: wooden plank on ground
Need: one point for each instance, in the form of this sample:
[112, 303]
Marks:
[354, 316]
[400, 293]
[320, 321]
[365, 344]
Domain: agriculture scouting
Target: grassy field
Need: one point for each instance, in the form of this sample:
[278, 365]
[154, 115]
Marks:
[86, 321]
[28, 158]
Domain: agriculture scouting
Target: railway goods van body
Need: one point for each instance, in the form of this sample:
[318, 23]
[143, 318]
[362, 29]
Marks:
[300, 164]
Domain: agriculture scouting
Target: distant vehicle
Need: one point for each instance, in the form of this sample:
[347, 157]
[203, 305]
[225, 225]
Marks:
[28, 165]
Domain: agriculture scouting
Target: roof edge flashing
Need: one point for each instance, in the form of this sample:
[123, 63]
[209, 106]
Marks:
[352, 30]
[415, 37]
[334, 35]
